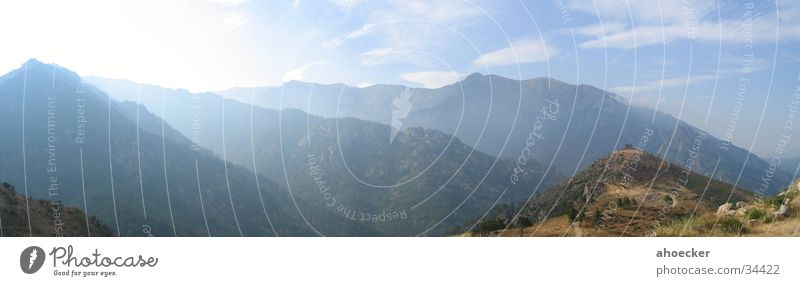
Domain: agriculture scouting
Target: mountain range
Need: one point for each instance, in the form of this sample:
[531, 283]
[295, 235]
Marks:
[431, 178]
[497, 116]
[67, 140]
[333, 160]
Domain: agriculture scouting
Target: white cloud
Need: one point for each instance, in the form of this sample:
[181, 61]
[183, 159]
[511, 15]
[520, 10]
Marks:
[228, 2]
[363, 31]
[731, 32]
[600, 29]
[521, 52]
[667, 83]
[296, 3]
[418, 24]
[376, 56]
[680, 20]
[431, 79]
[646, 11]
[363, 84]
[331, 44]
[299, 73]
[392, 55]
[234, 19]
[438, 11]
[346, 4]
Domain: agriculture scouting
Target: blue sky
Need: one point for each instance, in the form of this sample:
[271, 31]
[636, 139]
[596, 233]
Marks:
[685, 58]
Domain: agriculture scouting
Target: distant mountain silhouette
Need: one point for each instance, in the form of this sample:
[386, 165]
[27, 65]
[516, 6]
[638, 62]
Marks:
[497, 115]
[790, 165]
[127, 170]
[437, 181]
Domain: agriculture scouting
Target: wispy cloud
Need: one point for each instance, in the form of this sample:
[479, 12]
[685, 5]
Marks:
[668, 83]
[346, 4]
[438, 11]
[375, 56]
[431, 79]
[299, 73]
[416, 24]
[521, 52]
[661, 22]
[331, 44]
[645, 11]
[228, 2]
[363, 84]
[234, 19]
[360, 32]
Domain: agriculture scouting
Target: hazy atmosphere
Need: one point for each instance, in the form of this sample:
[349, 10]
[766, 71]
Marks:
[399, 118]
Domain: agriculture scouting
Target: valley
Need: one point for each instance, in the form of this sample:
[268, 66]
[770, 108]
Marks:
[151, 161]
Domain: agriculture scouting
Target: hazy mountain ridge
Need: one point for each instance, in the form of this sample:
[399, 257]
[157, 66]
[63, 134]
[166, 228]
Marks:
[790, 164]
[434, 172]
[485, 111]
[59, 91]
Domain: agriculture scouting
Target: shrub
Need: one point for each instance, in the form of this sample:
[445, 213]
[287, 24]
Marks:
[598, 217]
[625, 202]
[524, 222]
[755, 213]
[572, 213]
[489, 225]
[729, 225]
[773, 201]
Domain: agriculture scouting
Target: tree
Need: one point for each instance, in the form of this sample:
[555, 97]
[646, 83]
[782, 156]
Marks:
[572, 213]
[598, 217]
[523, 222]
[488, 225]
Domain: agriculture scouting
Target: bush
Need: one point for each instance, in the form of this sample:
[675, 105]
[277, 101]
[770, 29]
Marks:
[755, 213]
[773, 201]
[730, 225]
[572, 213]
[524, 222]
[624, 202]
[598, 217]
[489, 225]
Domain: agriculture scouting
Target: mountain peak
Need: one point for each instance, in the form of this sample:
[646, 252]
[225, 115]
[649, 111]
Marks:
[35, 67]
[634, 163]
[475, 76]
[33, 61]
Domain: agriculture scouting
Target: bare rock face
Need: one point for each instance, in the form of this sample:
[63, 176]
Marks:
[740, 204]
[781, 211]
[724, 209]
[742, 211]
